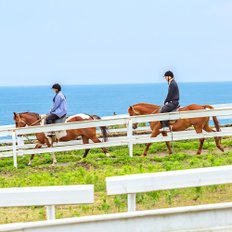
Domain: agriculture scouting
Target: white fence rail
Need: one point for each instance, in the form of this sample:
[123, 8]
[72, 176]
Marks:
[212, 217]
[47, 196]
[203, 218]
[128, 140]
[140, 183]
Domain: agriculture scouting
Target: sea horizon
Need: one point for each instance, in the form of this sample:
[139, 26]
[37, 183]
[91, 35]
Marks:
[132, 83]
[107, 99]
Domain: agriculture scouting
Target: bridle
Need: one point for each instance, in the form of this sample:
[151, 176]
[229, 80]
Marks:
[27, 124]
[135, 111]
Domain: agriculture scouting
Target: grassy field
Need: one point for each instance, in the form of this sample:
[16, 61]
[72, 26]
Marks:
[72, 169]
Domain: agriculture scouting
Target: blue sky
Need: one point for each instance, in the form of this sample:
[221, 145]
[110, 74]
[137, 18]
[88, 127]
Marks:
[114, 41]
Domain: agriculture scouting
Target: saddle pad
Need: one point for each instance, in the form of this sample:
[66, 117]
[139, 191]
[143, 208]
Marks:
[61, 120]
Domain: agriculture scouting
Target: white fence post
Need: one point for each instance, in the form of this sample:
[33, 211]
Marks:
[129, 135]
[50, 212]
[128, 140]
[14, 149]
[20, 141]
[131, 201]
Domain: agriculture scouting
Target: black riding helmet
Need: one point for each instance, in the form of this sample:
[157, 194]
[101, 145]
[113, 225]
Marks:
[169, 74]
[57, 86]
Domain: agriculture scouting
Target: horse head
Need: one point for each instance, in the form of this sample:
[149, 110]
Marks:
[19, 121]
[26, 119]
[132, 112]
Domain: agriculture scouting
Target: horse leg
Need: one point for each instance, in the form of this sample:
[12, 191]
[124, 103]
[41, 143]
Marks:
[85, 141]
[168, 144]
[146, 149]
[97, 140]
[32, 156]
[201, 141]
[207, 128]
[169, 147]
[154, 133]
[54, 161]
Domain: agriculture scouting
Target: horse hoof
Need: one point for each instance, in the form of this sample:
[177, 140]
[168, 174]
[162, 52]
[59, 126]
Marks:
[53, 165]
[29, 165]
[221, 148]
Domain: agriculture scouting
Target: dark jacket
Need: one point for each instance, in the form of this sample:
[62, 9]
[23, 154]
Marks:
[173, 93]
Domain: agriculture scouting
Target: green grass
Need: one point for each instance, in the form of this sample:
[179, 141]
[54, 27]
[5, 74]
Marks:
[73, 169]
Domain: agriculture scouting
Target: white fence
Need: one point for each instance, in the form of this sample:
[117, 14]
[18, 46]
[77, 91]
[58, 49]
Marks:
[129, 139]
[141, 183]
[202, 218]
[47, 196]
[212, 217]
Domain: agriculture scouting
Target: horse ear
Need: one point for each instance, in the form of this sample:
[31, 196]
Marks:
[15, 115]
[130, 109]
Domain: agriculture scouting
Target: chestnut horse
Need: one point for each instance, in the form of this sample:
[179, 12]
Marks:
[199, 124]
[34, 119]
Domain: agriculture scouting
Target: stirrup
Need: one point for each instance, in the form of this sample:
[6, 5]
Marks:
[165, 129]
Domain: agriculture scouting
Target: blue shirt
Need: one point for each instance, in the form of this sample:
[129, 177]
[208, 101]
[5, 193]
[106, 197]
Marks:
[59, 105]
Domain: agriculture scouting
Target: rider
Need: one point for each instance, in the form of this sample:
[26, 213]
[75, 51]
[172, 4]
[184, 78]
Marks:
[59, 109]
[172, 100]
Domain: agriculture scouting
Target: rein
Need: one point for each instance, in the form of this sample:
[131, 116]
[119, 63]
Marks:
[138, 113]
[25, 124]
[39, 120]
[155, 111]
[32, 124]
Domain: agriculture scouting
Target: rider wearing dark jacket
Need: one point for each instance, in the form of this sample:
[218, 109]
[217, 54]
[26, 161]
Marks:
[172, 100]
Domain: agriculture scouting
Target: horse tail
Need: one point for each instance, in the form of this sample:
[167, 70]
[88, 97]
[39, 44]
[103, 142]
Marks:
[103, 128]
[215, 120]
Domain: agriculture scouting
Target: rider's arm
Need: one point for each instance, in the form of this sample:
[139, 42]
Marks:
[170, 93]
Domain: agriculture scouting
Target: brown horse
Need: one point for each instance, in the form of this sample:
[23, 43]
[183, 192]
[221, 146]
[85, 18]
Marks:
[199, 124]
[34, 119]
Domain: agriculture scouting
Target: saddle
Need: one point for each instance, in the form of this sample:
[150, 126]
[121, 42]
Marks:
[57, 134]
[61, 120]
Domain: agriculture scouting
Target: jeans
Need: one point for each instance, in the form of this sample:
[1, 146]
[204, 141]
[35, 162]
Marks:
[168, 107]
[51, 118]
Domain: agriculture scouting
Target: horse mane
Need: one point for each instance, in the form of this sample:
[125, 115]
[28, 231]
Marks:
[146, 104]
[32, 113]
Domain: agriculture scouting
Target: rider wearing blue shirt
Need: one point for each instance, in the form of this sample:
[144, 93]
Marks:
[59, 108]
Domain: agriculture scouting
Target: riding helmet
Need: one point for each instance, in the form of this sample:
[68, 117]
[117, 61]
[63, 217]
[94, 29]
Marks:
[56, 86]
[169, 74]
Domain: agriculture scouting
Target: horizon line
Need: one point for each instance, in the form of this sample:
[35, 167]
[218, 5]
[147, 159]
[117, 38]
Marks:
[129, 83]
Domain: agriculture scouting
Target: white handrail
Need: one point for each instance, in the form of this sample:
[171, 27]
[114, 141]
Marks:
[48, 196]
[141, 183]
[129, 140]
[135, 119]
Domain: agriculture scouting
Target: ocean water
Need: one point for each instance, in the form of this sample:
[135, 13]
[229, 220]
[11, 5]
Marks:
[105, 100]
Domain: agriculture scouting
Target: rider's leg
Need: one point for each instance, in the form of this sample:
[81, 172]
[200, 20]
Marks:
[51, 118]
[164, 109]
